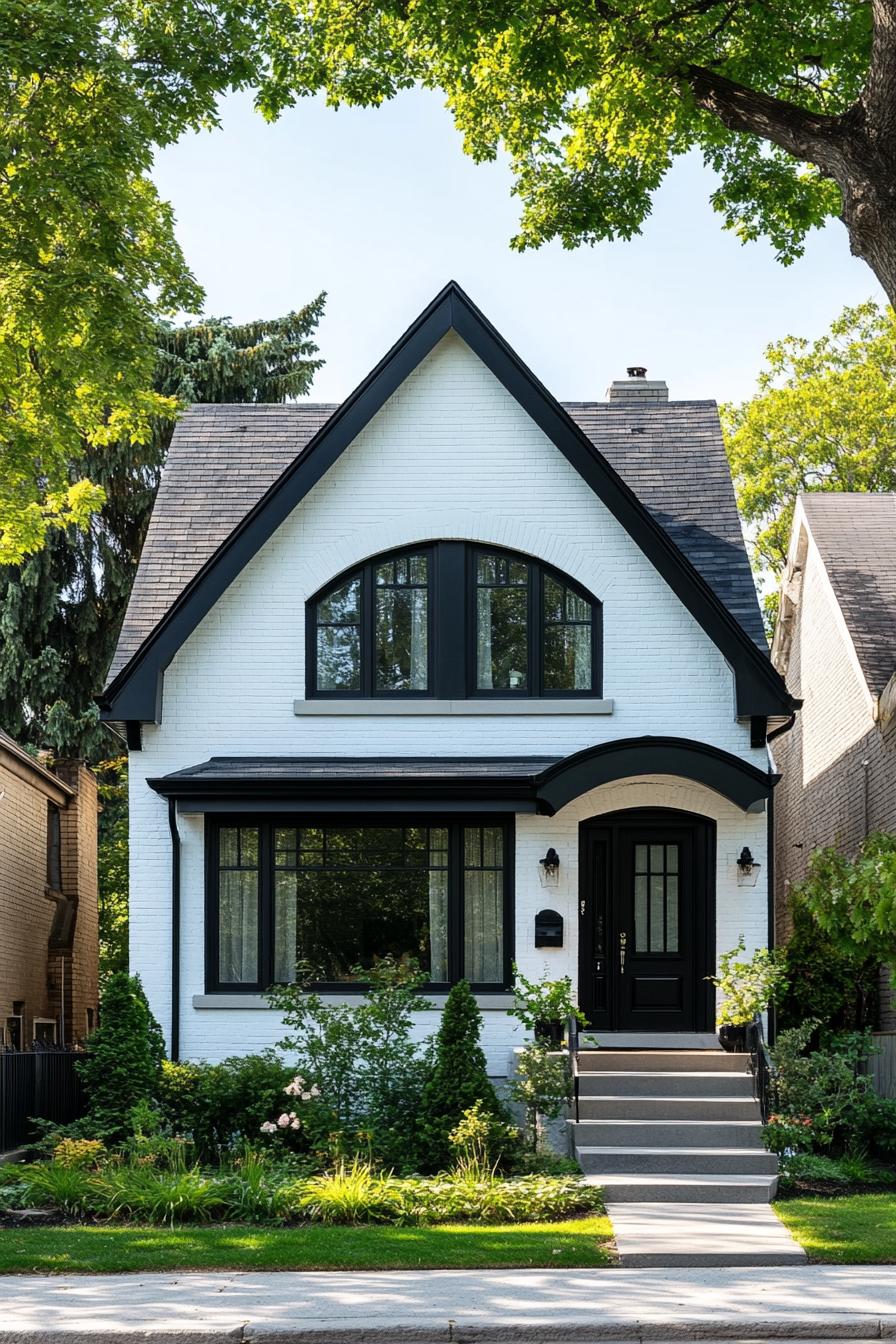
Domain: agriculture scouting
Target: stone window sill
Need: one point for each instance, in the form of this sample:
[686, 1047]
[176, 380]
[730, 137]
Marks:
[457, 708]
[487, 1002]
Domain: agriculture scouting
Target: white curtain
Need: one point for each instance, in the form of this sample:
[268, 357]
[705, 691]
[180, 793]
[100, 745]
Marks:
[419, 668]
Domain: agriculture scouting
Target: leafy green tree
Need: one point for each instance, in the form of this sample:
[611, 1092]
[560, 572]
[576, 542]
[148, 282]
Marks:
[823, 982]
[61, 609]
[853, 901]
[123, 1064]
[823, 418]
[457, 1078]
[792, 104]
[88, 254]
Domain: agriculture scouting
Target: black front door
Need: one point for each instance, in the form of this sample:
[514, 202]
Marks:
[646, 921]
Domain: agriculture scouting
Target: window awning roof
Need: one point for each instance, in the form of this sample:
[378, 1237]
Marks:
[541, 784]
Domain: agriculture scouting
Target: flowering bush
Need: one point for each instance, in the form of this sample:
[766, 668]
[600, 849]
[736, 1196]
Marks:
[289, 1121]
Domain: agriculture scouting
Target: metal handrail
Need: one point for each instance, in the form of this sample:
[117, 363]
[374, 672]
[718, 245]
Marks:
[572, 1046]
[761, 1067]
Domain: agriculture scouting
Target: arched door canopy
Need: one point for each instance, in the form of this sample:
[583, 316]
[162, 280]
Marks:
[738, 781]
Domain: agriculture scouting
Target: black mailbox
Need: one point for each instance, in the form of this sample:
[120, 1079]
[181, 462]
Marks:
[548, 929]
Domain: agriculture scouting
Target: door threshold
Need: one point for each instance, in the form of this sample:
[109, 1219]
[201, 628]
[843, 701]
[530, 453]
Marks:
[648, 1040]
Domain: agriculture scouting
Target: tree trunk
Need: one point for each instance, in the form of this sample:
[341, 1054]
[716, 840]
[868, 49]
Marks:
[869, 213]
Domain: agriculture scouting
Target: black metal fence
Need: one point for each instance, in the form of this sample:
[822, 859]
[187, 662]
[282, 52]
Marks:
[37, 1084]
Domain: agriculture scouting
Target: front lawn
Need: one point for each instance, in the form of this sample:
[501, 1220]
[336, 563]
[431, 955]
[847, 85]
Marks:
[846, 1230]
[582, 1243]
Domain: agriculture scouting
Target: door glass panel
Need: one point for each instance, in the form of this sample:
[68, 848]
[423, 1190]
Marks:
[656, 898]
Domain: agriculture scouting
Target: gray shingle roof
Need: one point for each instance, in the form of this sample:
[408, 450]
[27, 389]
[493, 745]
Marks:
[223, 458]
[856, 538]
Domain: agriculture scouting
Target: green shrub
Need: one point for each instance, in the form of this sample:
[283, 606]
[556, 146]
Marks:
[748, 984]
[526, 1199]
[146, 1194]
[542, 1084]
[822, 982]
[124, 1058]
[536, 1002]
[222, 1105]
[71, 1190]
[351, 1193]
[457, 1079]
[79, 1153]
[826, 1096]
[836, 1170]
[362, 1058]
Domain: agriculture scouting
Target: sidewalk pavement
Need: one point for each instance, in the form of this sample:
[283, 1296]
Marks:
[452, 1306]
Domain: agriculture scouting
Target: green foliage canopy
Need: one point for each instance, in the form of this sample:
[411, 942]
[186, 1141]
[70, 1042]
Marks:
[88, 255]
[823, 418]
[791, 104]
[854, 900]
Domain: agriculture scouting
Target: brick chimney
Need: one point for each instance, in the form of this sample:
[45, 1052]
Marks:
[637, 389]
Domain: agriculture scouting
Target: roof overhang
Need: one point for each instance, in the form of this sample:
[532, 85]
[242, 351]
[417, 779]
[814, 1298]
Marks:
[491, 784]
[135, 694]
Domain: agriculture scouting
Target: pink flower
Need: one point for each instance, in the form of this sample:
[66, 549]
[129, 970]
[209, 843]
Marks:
[283, 1121]
[296, 1124]
[269, 1127]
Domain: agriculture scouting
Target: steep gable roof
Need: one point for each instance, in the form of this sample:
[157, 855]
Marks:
[191, 558]
[855, 535]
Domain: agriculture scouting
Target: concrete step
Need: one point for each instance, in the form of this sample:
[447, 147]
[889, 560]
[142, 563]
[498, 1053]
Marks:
[630, 1188]
[662, 1061]
[610, 1107]
[674, 1235]
[648, 1160]
[652, 1084]
[746, 1134]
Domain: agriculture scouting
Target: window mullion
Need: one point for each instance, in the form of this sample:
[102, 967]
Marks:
[368, 632]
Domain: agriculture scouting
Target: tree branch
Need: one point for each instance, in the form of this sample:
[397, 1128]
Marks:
[813, 137]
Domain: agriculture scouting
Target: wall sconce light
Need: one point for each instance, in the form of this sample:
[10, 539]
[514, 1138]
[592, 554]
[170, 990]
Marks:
[747, 868]
[549, 869]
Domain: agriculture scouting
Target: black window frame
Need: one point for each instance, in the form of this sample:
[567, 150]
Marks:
[266, 824]
[452, 627]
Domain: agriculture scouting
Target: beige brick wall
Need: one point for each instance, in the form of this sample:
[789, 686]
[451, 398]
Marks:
[38, 980]
[838, 767]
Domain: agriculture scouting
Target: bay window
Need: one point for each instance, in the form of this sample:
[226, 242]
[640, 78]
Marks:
[325, 900]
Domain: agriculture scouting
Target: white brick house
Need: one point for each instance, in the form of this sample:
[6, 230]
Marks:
[381, 658]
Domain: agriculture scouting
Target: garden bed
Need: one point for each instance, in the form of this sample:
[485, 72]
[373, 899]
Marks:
[580, 1243]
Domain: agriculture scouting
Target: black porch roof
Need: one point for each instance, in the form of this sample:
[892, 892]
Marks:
[541, 784]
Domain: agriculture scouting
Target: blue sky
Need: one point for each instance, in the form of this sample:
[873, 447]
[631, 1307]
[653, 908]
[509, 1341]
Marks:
[381, 207]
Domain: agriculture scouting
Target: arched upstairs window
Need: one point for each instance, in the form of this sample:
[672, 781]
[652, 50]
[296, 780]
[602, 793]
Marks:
[452, 620]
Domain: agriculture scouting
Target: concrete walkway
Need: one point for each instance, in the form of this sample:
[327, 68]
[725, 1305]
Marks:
[452, 1306]
[666, 1235]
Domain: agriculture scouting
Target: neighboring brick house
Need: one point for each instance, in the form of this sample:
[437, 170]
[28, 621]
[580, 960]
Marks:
[835, 643]
[49, 949]
[482, 678]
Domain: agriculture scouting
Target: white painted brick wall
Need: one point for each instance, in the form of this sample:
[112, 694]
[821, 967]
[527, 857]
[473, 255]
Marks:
[450, 455]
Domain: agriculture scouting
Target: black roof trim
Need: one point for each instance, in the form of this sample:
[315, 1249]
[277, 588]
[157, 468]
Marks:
[494, 783]
[135, 693]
